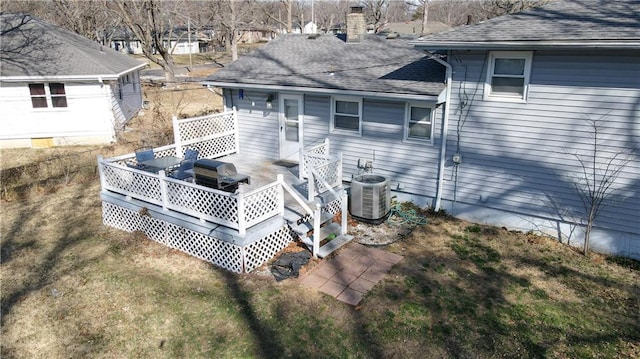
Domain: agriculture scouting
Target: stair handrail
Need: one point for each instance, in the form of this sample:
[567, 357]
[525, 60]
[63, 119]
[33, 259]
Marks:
[295, 194]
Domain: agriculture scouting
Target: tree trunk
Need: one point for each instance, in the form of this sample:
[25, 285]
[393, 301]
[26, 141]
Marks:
[425, 16]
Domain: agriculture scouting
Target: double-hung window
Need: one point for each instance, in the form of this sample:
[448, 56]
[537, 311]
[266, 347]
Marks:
[508, 76]
[347, 114]
[48, 95]
[419, 122]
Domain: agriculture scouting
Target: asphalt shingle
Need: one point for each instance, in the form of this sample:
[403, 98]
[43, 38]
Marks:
[31, 47]
[375, 64]
[560, 20]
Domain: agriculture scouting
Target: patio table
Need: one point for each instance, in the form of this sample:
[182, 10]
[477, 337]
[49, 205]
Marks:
[161, 163]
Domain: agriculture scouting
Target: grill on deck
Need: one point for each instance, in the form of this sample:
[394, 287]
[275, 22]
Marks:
[218, 175]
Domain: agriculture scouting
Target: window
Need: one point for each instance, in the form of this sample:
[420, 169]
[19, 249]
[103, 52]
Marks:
[508, 75]
[38, 96]
[53, 95]
[58, 96]
[419, 123]
[347, 114]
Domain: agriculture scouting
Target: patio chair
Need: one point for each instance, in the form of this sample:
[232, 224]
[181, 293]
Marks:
[144, 155]
[191, 154]
[184, 171]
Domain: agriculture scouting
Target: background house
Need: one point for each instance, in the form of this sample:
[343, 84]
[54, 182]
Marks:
[58, 88]
[494, 145]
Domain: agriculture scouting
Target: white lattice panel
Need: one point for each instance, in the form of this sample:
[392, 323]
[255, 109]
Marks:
[259, 252]
[145, 186]
[216, 147]
[333, 207]
[210, 249]
[201, 202]
[191, 129]
[262, 204]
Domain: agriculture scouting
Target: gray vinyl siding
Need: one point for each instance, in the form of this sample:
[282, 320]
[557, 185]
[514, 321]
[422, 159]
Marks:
[258, 125]
[517, 156]
[411, 166]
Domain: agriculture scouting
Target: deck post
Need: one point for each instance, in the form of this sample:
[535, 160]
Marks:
[280, 178]
[301, 165]
[343, 209]
[177, 136]
[242, 226]
[317, 214]
[236, 129]
[103, 182]
[163, 190]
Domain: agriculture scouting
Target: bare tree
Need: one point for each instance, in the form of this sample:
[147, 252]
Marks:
[231, 17]
[495, 8]
[376, 12]
[328, 14]
[597, 182]
[274, 11]
[152, 24]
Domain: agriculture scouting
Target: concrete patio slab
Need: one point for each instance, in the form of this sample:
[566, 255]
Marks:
[351, 273]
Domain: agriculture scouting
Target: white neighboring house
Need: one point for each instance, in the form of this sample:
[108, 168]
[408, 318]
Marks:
[59, 88]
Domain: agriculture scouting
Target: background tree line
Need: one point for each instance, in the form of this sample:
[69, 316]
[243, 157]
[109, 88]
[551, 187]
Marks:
[153, 22]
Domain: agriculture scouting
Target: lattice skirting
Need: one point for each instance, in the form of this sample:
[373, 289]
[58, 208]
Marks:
[210, 249]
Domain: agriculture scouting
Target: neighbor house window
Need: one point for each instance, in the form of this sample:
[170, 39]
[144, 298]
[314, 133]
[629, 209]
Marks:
[508, 75]
[347, 114]
[58, 95]
[419, 122]
[43, 96]
[38, 95]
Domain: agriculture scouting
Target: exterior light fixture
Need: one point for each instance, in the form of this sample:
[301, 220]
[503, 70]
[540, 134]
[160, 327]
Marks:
[270, 101]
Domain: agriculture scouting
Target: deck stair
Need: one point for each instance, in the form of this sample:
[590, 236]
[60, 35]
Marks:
[330, 233]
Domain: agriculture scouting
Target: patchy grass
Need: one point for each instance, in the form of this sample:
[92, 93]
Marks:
[74, 288]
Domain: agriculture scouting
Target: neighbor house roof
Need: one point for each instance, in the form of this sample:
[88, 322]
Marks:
[31, 49]
[558, 24]
[376, 66]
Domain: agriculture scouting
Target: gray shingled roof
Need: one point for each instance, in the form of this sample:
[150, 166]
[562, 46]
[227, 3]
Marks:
[375, 65]
[31, 48]
[570, 23]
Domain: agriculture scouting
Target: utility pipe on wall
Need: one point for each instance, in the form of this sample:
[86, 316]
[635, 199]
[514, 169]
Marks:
[445, 128]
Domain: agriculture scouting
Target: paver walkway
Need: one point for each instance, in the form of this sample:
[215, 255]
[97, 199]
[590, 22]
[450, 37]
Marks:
[351, 273]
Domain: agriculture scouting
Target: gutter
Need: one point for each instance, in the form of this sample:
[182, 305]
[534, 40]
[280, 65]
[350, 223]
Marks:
[526, 45]
[445, 128]
[400, 96]
[71, 78]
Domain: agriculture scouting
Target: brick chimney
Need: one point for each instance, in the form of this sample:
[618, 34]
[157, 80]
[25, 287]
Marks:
[356, 26]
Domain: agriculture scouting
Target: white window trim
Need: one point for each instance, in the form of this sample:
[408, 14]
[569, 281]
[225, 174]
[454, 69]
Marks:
[527, 56]
[407, 119]
[332, 127]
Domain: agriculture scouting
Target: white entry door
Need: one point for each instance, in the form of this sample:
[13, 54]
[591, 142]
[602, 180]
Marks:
[291, 114]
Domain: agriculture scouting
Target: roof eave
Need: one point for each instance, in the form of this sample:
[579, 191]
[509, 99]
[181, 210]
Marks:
[525, 45]
[100, 77]
[323, 91]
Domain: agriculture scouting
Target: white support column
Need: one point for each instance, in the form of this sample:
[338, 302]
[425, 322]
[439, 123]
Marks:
[177, 137]
[339, 179]
[103, 182]
[301, 165]
[281, 194]
[242, 225]
[163, 190]
[236, 129]
[317, 214]
[343, 208]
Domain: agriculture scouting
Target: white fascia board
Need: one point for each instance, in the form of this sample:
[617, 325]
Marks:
[525, 45]
[139, 67]
[70, 78]
[386, 95]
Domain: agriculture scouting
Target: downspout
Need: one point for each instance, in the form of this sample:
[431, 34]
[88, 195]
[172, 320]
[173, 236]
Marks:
[445, 128]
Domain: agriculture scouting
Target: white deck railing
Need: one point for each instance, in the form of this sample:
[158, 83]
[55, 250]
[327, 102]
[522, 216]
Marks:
[214, 136]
